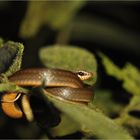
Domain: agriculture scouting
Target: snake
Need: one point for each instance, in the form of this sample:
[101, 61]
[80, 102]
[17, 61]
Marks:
[63, 84]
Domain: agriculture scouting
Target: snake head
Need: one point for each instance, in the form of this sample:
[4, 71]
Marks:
[84, 75]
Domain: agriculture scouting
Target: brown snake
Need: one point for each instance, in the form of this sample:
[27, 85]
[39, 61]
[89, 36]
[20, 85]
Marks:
[64, 84]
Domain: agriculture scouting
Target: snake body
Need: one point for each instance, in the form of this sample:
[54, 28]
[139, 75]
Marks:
[64, 84]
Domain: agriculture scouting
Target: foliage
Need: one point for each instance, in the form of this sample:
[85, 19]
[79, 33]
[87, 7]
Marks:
[13, 66]
[94, 118]
[90, 120]
[129, 75]
[131, 83]
[104, 117]
[1, 42]
[41, 13]
[16, 64]
[60, 56]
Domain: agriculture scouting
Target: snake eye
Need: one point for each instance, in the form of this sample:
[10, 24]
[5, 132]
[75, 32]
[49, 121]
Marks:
[84, 75]
[81, 73]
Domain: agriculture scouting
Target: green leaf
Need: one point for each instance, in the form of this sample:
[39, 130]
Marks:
[66, 127]
[12, 49]
[134, 105]
[131, 78]
[90, 120]
[10, 57]
[16, 65]
[1, 42]
[110, 67]
[70, 58]
[57, 14]
[129, 74]
[12, 88]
